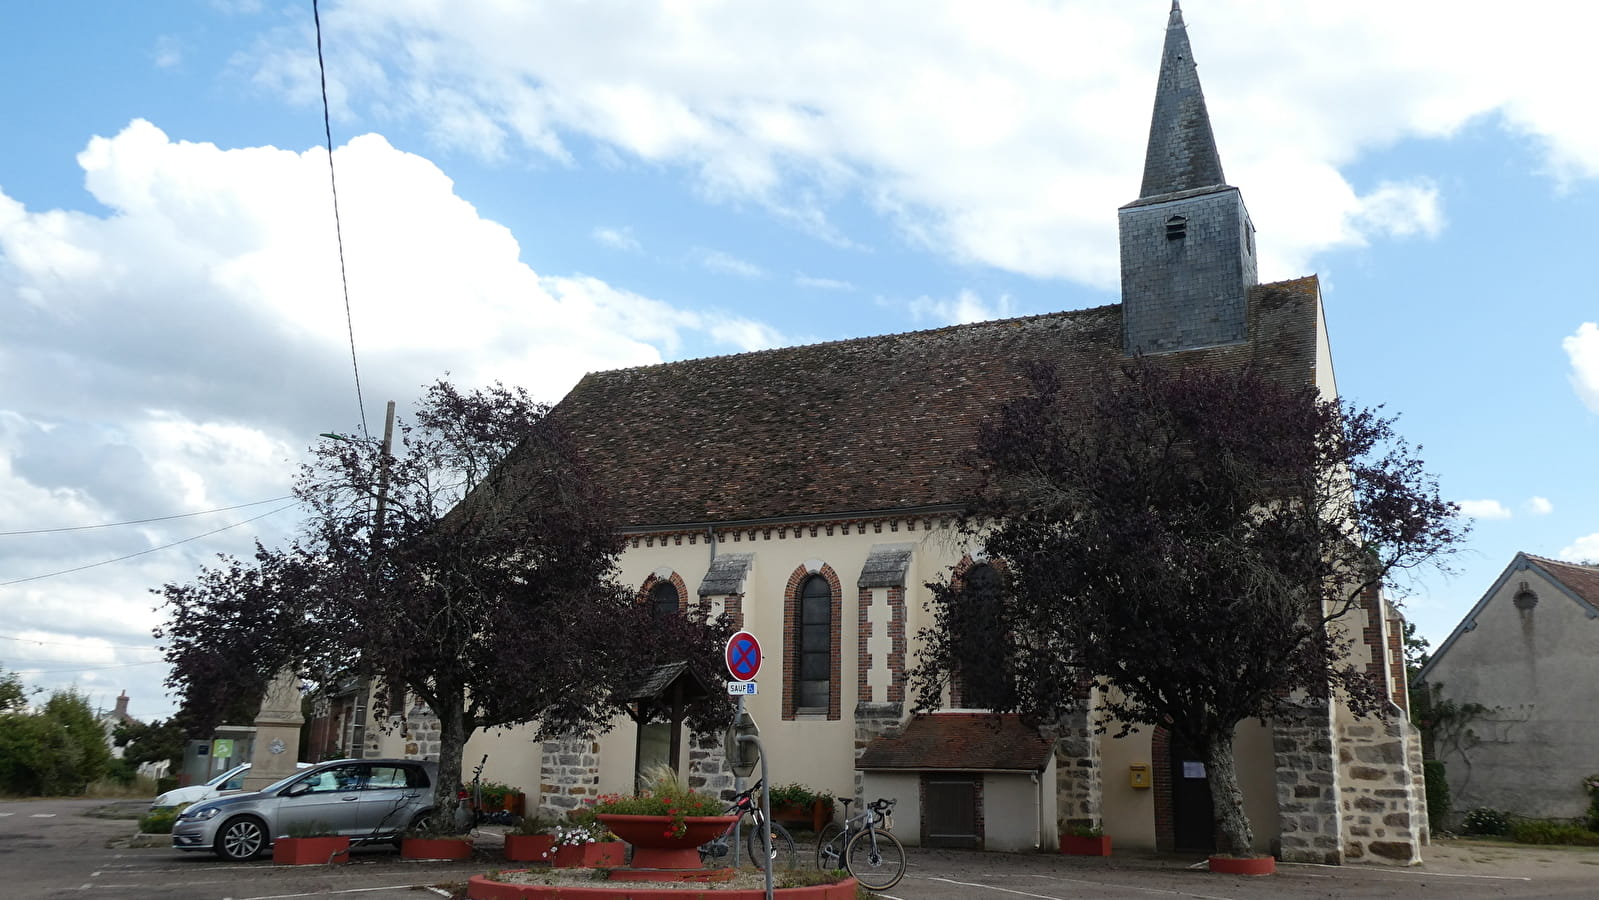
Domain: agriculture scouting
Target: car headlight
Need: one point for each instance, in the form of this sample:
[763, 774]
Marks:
[200, 814]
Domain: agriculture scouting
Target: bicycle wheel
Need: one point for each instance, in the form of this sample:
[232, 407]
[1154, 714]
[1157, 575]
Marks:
[782, 846]
[830, 847]
[876, 859]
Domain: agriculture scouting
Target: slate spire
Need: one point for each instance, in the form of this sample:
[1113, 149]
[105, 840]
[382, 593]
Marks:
[1182, 150]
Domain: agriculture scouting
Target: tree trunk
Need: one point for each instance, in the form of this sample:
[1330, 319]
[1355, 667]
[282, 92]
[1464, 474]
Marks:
[1234, 836]
[452, 742]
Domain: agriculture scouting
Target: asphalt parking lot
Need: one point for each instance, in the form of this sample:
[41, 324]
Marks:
[54, 849]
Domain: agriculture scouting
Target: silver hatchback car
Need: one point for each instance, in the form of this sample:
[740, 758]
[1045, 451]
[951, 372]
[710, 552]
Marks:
[369, 800]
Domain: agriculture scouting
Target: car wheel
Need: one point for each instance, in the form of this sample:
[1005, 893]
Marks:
[416, 823]
[240, 839]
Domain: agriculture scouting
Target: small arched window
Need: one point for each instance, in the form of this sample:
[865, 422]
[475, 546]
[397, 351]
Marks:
[814, 646]
[1176, 228]
[663, 598]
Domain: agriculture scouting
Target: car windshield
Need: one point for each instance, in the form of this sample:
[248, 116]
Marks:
[226, 775]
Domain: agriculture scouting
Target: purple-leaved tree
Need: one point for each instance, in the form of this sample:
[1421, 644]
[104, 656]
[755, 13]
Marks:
[1188, 542]
[487, 591]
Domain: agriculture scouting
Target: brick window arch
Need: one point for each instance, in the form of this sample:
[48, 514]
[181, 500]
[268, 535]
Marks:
[813, 607]
[657, 591]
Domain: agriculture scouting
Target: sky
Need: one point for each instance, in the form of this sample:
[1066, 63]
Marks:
[530, 191]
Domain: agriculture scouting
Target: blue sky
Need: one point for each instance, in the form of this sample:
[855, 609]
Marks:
[531, 191]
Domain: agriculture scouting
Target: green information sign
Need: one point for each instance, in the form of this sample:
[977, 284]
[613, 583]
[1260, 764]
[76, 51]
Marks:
[221, 748]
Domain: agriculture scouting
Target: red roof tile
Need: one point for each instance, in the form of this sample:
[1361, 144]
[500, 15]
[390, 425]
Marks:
[865, 425]
[1580, 580]
[966, 741]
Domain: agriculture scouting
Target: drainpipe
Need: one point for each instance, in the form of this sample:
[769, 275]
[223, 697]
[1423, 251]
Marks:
[1038, 813]
[710, 538]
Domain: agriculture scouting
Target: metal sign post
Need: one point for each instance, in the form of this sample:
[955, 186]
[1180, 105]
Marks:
[743, 657]
[766, 808]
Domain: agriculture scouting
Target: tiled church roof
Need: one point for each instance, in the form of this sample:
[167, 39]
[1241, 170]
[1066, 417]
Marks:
[862, 425]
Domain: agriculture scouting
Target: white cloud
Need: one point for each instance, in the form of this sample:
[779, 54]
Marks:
[168, 52]
[826, 284]
[1400, 210]
[996, 134]
[728, 264]
[178, 352]
[964, 308]
[1583, 348]
[1484, 509]
[1583, 549]
[1539, 506]
[617, 238]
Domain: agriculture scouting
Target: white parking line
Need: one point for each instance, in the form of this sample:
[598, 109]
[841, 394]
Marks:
[1098, 884]
[396, 887]
[43, 816]
[1419, 873]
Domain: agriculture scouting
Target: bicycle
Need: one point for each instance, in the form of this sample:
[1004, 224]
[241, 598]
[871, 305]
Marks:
[875, 857]
[471, 797]
[743, 804]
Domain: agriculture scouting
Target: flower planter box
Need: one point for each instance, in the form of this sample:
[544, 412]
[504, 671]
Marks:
[311, 851]
[529, 847]
[1243, 865]
[812, 817]
[435, 848]
[1084, 846]
[597, 855]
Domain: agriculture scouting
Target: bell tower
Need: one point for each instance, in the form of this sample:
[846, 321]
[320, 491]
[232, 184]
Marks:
[1187, 245]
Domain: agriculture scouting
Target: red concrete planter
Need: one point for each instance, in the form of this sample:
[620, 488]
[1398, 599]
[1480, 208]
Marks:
[654, 847]
[598, 855]
[480, 887]
[435, 848]
[1084, 846]
[1245, 865]
[529, 847]
[311, 851]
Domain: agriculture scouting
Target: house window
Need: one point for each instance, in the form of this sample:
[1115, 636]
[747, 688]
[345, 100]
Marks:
[814, 644]
[1176, 228]
[663, 598]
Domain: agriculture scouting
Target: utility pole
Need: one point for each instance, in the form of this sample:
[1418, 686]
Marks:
[363, 687]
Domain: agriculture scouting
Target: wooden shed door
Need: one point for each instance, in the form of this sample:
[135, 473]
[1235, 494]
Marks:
[951, 806]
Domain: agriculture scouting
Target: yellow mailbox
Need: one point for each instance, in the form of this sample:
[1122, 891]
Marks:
[1138, 775]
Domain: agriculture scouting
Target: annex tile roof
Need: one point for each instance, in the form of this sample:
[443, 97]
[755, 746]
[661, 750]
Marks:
[872, 424]
[962, 742]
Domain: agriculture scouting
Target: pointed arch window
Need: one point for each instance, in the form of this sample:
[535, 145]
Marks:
[983, 678]
[814, 644]
[1176, 228]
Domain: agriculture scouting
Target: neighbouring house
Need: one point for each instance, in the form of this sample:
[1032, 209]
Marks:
[811, 492]
[109, 721]
[1519, 725]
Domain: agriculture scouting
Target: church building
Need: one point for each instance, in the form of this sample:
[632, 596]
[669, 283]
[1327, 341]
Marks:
[811, 492]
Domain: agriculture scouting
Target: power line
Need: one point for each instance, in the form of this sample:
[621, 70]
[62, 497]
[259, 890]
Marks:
[12, 637]
[151, 550]
[338, 227]
[205, 512]
[32, 672]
